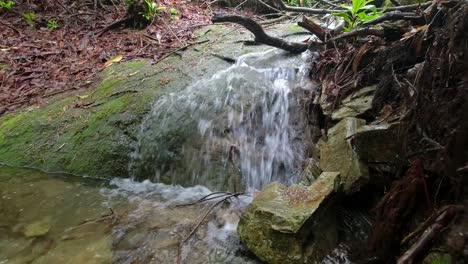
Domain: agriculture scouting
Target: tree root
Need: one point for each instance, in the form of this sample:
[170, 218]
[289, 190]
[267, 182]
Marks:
[260, 35]
[440, 220]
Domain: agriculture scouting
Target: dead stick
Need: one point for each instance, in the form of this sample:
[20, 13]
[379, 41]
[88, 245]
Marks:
[179, 251]
[179, 49]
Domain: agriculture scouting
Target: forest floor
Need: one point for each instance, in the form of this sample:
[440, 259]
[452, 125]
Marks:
[38, 61]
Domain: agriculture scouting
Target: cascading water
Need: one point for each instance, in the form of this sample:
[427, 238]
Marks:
[246, 118]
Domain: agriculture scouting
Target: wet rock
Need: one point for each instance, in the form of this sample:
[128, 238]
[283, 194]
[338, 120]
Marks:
[311, 172]
[355, 104]
[37, 229]
[293, 224]
[378, 143]
[338, 154]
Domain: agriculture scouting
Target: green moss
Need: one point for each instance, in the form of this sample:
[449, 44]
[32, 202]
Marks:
[295, 29]
[86, 134]
[437, 258]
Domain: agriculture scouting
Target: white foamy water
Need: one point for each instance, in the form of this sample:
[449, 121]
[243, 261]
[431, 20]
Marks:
[246, 118]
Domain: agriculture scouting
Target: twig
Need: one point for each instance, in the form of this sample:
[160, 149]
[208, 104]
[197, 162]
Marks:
[10, 27]
[64, 7]
[179, 49]
[179, 250]
[206, 198]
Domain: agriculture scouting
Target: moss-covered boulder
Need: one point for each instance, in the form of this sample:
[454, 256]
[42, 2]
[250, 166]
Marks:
[85, 133]
[293, 224]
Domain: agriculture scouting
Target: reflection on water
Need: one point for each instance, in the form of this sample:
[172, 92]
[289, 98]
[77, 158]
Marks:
[57, 219]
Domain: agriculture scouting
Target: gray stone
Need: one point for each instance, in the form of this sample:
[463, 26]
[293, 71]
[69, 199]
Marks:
[355, 104]
[293, 224]
[337, 154]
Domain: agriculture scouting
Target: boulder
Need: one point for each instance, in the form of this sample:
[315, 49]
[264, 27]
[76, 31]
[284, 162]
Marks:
[355, 104]
[378, 143]
[293, 224]
[338, 154]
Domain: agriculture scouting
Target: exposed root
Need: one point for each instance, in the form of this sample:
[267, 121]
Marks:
[395, 208]
[440, 221]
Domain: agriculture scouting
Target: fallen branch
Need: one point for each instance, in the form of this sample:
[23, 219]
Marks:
[313, 27]
[260, 35]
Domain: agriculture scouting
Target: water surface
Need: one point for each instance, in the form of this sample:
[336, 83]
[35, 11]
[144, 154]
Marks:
[65, 219]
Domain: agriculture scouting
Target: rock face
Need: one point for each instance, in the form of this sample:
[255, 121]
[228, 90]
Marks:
[92, 132]
[338, 154]
[293, 224]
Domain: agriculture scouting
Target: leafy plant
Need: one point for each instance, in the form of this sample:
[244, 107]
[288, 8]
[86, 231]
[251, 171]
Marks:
[298, 2]
[152, 10]
[358, 12]
[52, 24]
[30, 17]
[7, 4]
[174, 12]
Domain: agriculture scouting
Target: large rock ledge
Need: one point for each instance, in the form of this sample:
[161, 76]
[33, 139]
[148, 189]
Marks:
[92, 132]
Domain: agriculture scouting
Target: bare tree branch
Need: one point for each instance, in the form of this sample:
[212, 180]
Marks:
[260, 35]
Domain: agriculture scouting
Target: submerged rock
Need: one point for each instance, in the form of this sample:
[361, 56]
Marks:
[293, 224]
[338, 154]
[37, 229]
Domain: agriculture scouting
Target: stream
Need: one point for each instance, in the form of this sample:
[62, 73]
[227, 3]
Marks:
[240, 129]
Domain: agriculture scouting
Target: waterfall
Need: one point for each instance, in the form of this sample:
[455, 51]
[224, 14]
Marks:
[246, 119]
